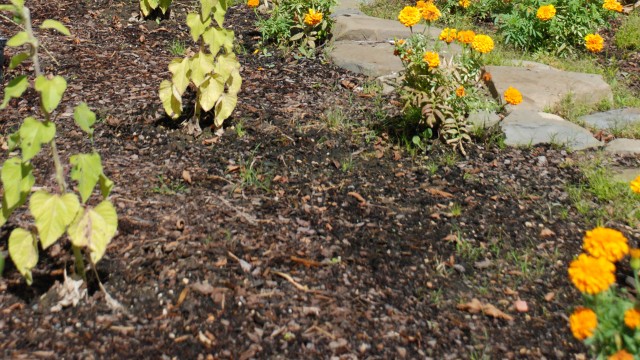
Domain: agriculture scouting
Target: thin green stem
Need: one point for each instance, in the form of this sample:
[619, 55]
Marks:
[79, 260]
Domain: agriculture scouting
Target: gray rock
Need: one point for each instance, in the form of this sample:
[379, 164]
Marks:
[367, 28]
[625, 174]
[616, 119]
[483, 119]
[379, 58]
[543, 86]
[348, 7]
[389, 83]
[623, 146]
[526, 127]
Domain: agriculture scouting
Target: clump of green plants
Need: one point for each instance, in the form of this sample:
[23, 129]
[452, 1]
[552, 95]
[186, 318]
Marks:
[302, 25]
[559, 27]
[213, 72]
[609, 321]
[441, 91]
[56, 211]
[155, 8]
[628, 35]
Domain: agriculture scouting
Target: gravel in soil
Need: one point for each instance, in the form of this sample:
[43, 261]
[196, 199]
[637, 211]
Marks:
[297, 232]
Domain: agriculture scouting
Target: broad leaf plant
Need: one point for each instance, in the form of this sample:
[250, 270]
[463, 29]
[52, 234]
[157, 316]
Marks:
[57, 211]
[214, 71]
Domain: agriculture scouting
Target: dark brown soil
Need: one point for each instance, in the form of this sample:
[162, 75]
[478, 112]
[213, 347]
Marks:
[285, 237]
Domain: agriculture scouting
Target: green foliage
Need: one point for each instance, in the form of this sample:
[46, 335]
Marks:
[628, 35]
[433, 92]
[147, 7]
[299, 24]
[213, 71]
[54, 213]
[562, 35]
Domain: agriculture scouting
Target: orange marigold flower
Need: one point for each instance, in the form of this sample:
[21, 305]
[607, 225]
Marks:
[583, 322]
[607, 243]
[635, 185]
[594, 43]
[512, 96]
[253, 3]
[432, 59]
[482, 44]
[400, 42]
[313, 18]
[621, 355]
[546, 12]
[632, 318]
[592, 275]
[466, 36]
[430, 12]
[448, 35]
[460, 91]
[612, 5]
[486, 76]
[464, 3]
[409, 16]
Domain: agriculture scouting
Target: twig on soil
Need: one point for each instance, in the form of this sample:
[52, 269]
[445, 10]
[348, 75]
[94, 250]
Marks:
[296, 284]
[250, 219]
[321, 331]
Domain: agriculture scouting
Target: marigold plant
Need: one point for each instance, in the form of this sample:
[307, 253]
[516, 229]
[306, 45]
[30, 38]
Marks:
[432, 59]
[635, 185]
[546, 12]
[606, 243]
[594, 42]
[430, 12]
[466, 36]
[609, 324]
[482, 44]
[512, 95]
[253, 3]
[464, 3]
[583, 323]
[410, 16]
[313, 18]
[448, 35]
[460, 91]
[612, 5]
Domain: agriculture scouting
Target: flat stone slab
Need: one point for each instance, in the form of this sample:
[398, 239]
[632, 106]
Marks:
[613, 119]
[348, 7]
[543, 86]
[623, 146]
[483, 119]
[366, 28]
[379, 59]
[625, 174]
[528, 127]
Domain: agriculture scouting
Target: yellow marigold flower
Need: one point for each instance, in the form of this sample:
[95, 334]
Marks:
[621, 355]
[253, 3]
[592, 275]
[409, 16]
[594, 43]
[464, 3]
[466, 36]
[546, 12]
[482, 44]
[400, 42]
[512, 96]
[612, 5]
[430, 12]
[583, 322]
[607, 243]
[432, 59]
[460, 91]
[635, 185]
[448, 35]
[313, 18]
[632, 318]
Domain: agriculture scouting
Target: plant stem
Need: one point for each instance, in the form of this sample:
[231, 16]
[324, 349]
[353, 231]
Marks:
[27, 23]
[77, 254]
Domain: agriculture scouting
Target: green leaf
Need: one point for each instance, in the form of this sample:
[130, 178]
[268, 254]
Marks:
[106, 185]
[153, 3]
[53, 214]
[164, 5]
[210, 91]
[33, 134]
[206, 6]
[51, 91]
[201, 66]
[56, 25]
[14, 89]
[219, 11]
[180, 70]
[18, 3]
[17, 59]
[13, 140]
[86, 170]
[17, 180]
[23, 250]
[84, 118]
[197, 27]
[145, 8]
[10, 8]
[226, 64]
[171, 99]
[217, 38]
[19, 39]
[94, 228]
[234, 83]
[224, 108]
